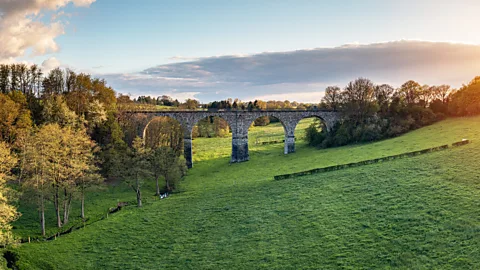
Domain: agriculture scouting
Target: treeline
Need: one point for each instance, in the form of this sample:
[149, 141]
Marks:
[64, 133]
[372, 112]
[228, 104]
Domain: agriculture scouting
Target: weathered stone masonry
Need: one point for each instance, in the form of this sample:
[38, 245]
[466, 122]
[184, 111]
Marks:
[239, 122]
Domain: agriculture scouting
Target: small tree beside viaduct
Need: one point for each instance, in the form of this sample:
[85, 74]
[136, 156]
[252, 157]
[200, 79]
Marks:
[239, 122]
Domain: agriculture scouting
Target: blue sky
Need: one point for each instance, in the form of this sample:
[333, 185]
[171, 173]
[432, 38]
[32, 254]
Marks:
[120, 40]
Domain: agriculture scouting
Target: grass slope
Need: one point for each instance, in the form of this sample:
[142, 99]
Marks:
[416, 213]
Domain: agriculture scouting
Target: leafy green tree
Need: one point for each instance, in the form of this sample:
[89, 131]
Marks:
[466, 101]
[383, 95]
[86, 180]
[37, 181]
[137, 167]
[167, 164]
[8, 213]
[358, 101]
[14, 116]
[191, 104]
[55, 110]
[262, 121]
[411, 92]
[332, 97]
[61, 160]
[54, 83]
[164, 131]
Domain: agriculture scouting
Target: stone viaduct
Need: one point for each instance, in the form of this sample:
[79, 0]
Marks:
[239, 122]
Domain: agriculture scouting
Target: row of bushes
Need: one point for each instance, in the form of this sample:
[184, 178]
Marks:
[374, 128]
[366, 162]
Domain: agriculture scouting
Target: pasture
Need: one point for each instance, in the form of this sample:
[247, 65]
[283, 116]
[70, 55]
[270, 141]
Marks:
[416, 213]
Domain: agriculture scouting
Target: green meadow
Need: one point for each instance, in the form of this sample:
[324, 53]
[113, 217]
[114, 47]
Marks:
[421, 212]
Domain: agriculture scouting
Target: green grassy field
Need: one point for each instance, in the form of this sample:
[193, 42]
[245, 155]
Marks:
[416, 213]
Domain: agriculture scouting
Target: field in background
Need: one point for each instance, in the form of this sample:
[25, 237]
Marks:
[420, 212]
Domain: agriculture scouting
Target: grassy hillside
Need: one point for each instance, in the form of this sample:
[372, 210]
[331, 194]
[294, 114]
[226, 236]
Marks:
[420, 212]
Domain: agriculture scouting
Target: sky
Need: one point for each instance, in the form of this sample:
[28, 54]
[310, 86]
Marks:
[213, 50]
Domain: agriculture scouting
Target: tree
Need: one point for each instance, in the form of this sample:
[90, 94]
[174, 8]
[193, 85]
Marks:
[262, 121]
[14, 116]
[191, 104]
[83, 170]
[164, 131]
[86, 180]
[166, 163]
[9, 112]
[96, 115]
[137, 167]
[54, 83]
[37, 182]
[358, 100]
[60, 159]
[441, 92]
[259, 104]
[332, 97]
[465, 101]
[55, 110]
[410, 92]
[8, 213]
[383, 94]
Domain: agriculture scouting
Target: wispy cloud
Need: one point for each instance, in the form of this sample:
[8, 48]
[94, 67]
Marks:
[305, 73]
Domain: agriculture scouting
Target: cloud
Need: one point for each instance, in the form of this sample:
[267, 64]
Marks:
[306, 73]
[182, 58]
[50, 64]
[21, 28]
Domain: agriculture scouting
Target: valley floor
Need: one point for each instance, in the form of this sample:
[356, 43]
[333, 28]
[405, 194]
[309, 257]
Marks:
[416, 213]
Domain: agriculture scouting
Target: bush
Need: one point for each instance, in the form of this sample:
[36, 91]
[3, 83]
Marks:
[262, 121]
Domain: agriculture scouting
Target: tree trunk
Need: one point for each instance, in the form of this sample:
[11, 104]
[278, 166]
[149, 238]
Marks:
[42, 214]
[158, 187]
[66, 210]
[167, 182]
[139, 197]
[65, 206]
[83, 205]
[57, 207]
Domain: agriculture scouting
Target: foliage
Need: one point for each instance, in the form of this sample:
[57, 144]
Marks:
[210, 127]
[466, 101]
[14, 116]
[168, 164]
[59, 161]
[373, 112]
[8, 213]
[262, 121]
[164, 131]
[136, 168]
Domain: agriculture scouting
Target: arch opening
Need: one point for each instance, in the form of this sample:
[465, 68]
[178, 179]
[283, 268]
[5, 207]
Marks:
[164, 131]
[211, 131]
[165, 137]
[310, 130]
[266, 130]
